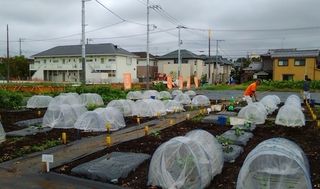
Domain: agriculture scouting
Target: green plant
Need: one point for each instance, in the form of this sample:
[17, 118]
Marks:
[10, 100]
[238, 131]
[225, 142]
[92, 107]
[156, 134]
[159, 86]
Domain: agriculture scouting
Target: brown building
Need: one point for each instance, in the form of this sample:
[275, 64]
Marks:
[142, 66]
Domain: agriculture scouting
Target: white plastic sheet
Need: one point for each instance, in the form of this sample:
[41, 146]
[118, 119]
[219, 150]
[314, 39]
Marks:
[173, 106]
[200, 100]
[190, 93]
[65, 98]
[91, 99]
[183, 99]
[276, 163]
[134, 95]
[98, 119]
[149, 108]
[291, 116]
[164, 95]
[254, 112]
[176, 92]
[39, 101]
[126, 107]
[150, 94]
[293, 100]
[2, 134]
[186, 162]
[62, 116]
[270, 102]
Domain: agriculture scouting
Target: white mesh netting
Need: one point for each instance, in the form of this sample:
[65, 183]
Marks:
[164, 95]
[200, 100]
[126, 107]
[173, 106]
[291, 116]
[98, 119]
[277, 99]
[150, 94]
[65, 98]
[149, 108]
[293, 100]
[39, 101]
[276, 163]
[255, 113]
[176, 92]
[190, 93]
[188, 162]
[91, 99]
[62, 116]
[2, 134]
[134, 95]
[183, 99]
[270, 103]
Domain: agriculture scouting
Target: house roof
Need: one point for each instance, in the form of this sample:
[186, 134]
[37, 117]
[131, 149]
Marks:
[286, 53]
[91, 49]
[219, 59]
[185, 54]
[143, 54]
[254, 66]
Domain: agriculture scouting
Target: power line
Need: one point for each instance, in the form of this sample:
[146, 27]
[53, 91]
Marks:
[260, 30]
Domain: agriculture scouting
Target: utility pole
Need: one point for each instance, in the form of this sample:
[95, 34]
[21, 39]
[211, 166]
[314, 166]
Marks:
[8, 64]
[209, 57]
[83, 49]
[217, 52]
[148, 33]
[179, 45]
[20, 51]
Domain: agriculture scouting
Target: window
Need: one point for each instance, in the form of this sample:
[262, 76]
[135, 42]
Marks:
[55, 61]
[89, 60]
[112, 60]
[283, 62]
[102, 60]
[44, 61]
[63, 61]
[318, 64]
[299, 62]
[129, 61]
[183, 61]
[287, 77]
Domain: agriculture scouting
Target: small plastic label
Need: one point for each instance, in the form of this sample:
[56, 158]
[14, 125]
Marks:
[47, 158]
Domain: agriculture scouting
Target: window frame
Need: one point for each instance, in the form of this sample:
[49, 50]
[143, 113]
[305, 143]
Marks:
[283, 60]
[299, 60]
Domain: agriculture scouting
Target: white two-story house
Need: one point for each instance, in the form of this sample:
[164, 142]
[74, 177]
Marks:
[105, 63]
[191, 64]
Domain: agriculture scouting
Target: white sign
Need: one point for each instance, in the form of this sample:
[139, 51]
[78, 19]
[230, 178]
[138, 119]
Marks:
[47, 158]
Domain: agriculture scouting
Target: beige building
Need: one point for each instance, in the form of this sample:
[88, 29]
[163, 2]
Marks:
[191, 64]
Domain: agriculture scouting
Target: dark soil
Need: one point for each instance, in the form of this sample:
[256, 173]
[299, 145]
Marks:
[306, 137]
[15, 147]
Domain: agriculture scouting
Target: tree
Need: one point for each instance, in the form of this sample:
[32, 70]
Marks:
[19, 68]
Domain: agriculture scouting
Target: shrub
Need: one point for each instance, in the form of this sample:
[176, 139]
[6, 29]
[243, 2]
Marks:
[159, 87]
[10, 100]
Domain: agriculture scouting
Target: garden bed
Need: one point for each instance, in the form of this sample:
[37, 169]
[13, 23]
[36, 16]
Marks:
[308, 141]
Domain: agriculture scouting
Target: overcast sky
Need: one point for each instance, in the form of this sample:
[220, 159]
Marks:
[246, 26]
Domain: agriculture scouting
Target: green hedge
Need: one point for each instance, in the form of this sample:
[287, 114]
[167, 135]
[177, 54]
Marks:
[106, 92]
[10, 100]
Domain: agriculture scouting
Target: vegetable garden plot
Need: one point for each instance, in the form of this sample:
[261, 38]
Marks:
[88, 99]
[291, 116]
[254, 113]
[237, 137]
[293, 100]
[186, 162]
[173, 106]
[62, 116]
[183, 99]
[134, 95]
[150, 94]
[164, 95]
[150, 108]
[176, 92]
[39, 101]
[2, 134]
[190, 93]
[98, 120]
[200, 100]
[270, 103]
[275, 163]
[125, 106]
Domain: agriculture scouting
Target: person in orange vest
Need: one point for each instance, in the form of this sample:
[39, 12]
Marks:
[250, 92]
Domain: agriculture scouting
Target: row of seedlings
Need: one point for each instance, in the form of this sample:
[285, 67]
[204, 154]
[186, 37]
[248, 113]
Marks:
[248, 117]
